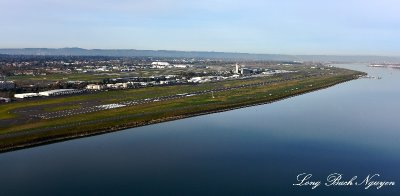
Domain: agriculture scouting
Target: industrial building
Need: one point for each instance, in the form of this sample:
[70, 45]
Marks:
[245, 71]
[160, 63]
[58, 92]
[181, 66]
[26, 95]
[95, 87]
[118, 86]
[206, 79]
[242, 70]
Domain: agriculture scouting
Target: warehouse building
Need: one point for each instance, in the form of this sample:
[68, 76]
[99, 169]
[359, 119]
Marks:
[58, 92]
[26, 95]
[118, 86]
[95, 87]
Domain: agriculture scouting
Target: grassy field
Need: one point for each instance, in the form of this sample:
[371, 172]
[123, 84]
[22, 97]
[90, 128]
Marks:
[22, 132]
[116, 96]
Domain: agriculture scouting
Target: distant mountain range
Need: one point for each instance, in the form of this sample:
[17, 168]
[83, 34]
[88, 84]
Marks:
[193, 54]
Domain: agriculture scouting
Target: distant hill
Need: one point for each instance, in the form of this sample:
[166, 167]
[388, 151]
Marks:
[193, 54]
[141, 53]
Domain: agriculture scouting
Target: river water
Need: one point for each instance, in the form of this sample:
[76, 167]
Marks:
[352, 129]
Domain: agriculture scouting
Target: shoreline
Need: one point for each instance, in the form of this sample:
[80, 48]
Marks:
[106, 130]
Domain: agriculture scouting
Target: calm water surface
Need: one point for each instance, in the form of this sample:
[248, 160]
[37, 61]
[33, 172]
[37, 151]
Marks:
[352, 128]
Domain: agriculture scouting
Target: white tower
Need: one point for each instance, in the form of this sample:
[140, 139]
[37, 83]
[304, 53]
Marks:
[237, 68]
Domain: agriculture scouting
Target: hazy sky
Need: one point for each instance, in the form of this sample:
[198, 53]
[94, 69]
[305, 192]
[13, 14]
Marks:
[255, 26]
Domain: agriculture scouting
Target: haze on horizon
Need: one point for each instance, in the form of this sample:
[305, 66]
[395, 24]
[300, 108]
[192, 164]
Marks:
[352, 27]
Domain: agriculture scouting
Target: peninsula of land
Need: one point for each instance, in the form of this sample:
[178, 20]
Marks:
[101, 106]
